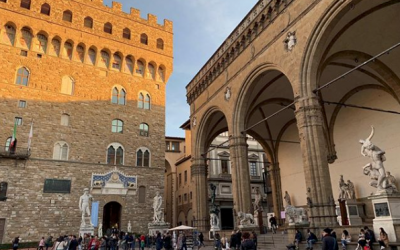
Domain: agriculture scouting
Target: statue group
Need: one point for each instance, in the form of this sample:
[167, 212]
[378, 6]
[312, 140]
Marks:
[346, 190]
[158, 214]
[383, 181]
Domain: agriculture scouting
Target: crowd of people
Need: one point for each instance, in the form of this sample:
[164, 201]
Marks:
[330, 241]
[237, 241]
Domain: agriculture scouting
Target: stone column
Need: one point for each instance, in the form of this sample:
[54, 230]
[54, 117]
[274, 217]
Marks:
[200, 201]
[314, 149]
[240, 175]
[275, 177]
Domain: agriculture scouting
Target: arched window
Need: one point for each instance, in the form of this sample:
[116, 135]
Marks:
[115, 154]
[147, 102]
[152, 71]
[55, 47]
[8, 143]
[105, 59]
[41, 46]
[118, 96]
[67, 16]
[160, 43]
[117, 126]
[116, 62]
[141, 101]
[144, 39]
[67, 85]
[88, 22]
[161, 73]
[26, 38]
[26, 4]
[126, 33]
[142, 194]
[3, 191]
[9, 35]
[61, 150]
[129, 65]
[65, 120]
[140, 68]
[22, 77]
[144, 129]
[108, 28]
[45, 9]
[143, 157]
[80, 53]
[92, 56]
[67, 52]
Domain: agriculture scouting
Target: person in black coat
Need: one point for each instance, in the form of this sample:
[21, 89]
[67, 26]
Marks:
[238, 239]
[232, 242]
[328, 242]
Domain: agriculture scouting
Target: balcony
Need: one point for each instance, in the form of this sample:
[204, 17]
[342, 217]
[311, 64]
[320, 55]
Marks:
[16, 153]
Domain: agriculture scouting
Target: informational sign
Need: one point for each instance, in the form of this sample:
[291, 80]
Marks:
[382, 209]
[57, 186]
[95, 213]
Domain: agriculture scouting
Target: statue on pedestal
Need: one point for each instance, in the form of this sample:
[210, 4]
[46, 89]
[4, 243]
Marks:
[246, 219]
[214, 221]
[129, 229]
[376, 169]
[84, 206]
[257, 200]
[342, 188]
[350, 191]
[100, 230]
[287, 199]
[158, 213]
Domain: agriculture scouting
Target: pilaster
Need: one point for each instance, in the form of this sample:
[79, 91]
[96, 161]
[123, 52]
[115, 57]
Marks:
[200, 201]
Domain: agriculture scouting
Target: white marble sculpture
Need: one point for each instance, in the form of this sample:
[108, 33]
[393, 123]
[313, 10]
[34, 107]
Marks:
[246, 219]
[84, 206]
[290, 41]
[257, 200]
[287, 199]
[214, 221]
[391, 181]
[296, 215]
[157, 204]
[376, 169]
[129, 229]
[100, 230]
[342, 188]
[350, 190]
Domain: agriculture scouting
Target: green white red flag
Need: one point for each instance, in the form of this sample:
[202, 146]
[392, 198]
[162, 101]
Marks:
[14, 135]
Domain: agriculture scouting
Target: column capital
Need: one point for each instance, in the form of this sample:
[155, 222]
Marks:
[237, 141]
[309, 112]
[198, 169]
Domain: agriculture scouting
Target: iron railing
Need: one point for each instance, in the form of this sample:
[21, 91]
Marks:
[14, 153]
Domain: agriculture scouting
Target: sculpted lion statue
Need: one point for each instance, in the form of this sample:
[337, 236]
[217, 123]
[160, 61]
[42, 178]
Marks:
[246, 219]
[296, 215]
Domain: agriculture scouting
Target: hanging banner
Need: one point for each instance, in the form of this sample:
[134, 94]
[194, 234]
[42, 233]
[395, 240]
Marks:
[95, 213]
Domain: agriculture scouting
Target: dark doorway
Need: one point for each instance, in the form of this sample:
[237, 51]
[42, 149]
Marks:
[227, 219]
[112, 215]
[2, 226]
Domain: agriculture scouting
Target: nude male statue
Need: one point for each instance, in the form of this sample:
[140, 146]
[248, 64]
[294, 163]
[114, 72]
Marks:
[84, 206]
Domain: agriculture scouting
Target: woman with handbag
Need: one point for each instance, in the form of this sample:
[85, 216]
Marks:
[383, 239]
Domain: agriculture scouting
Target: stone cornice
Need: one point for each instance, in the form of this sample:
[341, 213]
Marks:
[258, 19]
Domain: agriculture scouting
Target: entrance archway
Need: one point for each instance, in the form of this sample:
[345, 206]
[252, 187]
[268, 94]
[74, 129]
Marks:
[112, 215]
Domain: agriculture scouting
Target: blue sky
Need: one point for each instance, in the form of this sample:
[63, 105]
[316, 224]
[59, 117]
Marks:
[200, 27]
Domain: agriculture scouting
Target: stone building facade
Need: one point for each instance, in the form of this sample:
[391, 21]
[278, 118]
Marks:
[91, 79]
[265, 80]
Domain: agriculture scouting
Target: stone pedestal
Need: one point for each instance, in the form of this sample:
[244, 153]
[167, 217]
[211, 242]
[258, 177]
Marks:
[161, 227]
[86, 229]
[248, 228]
[387, 214]
[350, 212]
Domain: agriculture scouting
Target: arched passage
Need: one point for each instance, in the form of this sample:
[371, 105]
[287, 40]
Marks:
[112, 215]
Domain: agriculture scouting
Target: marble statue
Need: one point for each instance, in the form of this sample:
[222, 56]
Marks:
[257, 200]
[214, 221]
[246, 219]
[84, 205]
[157, 203]
[375, 169]
[350, 190]
[391, 181]
[129, 227]
[100, 230]
[296, 215]
[290, 41]
[342, 188]
[309, 200]
[287, 199]
[213, 194]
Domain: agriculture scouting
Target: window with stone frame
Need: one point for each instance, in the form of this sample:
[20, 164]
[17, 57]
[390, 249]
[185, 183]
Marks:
[142, 194]
[67, 52]
[140, 68]
[45, 9]
[175, 146]
[55, 47]
[9, 35]
[22, 77]
[18, 121]
[144, 129]
[67, 85]
[161, 73]
[41, 45]
[118, 96]
[61, 151]
[80, 53]
[224, 166]
[151, 71]
[180, 179]
[185, 197]
[126, 33]
[180, 199]
[25, 40]
[253, 168]
[67, 16]
[143, 157]
[147, 101]
[21, 104]
[116, 64]
[144, 39]
[160, 44]
[92, 56]
[3, 191]
[65, 119]
[129, 65]
[3, 1]
[191, 195]
[117, 126]
[88, 22]
[26, 4]
[168, 145]
[115, 154]
[186, 176]
[108, 28]
[141, 101]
